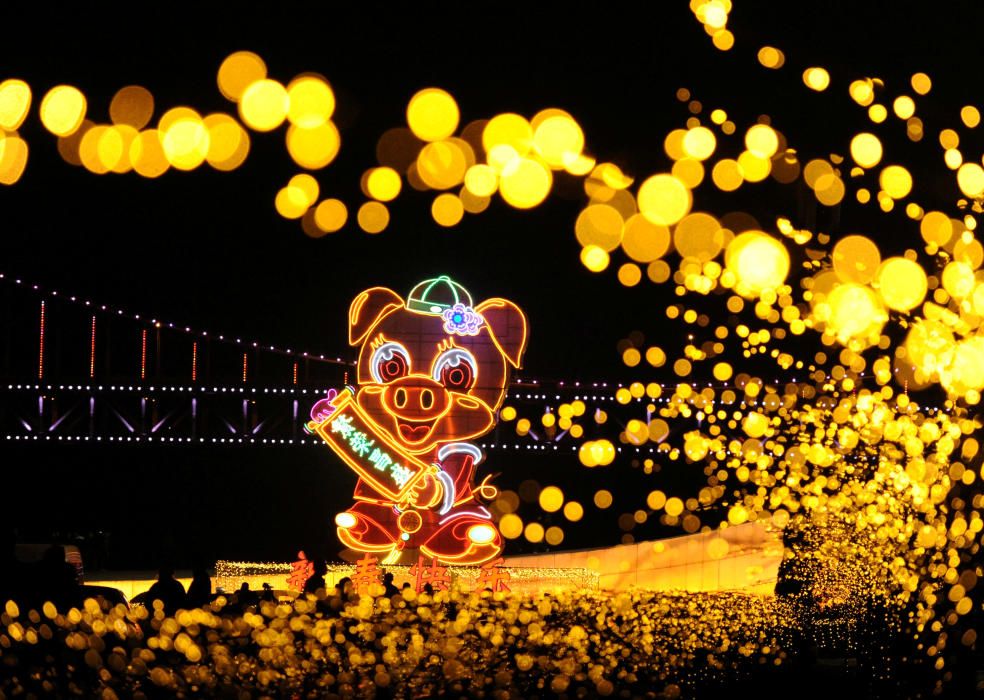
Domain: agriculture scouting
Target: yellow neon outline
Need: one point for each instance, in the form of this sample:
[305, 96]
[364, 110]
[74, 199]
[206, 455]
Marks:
[356, 307]
[343, 401]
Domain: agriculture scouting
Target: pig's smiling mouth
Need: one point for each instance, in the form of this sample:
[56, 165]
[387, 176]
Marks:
[414, 433]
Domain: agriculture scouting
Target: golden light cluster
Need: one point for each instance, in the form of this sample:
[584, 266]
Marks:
[469, 643]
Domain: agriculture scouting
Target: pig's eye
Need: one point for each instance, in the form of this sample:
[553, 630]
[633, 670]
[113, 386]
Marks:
[456, 369]
[390, 361]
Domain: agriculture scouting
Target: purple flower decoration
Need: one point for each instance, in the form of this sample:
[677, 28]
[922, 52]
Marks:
[462, 320]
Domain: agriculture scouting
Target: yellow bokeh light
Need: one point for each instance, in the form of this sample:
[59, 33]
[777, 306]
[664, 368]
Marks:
[664, 199]
[573, 511]
[901, 283]
[373, 217]
[558, 140]
[970, 178]
[600, 225]
[594, 258]
[853, 312]
[866, 150]
[534, 532]
[237, 72]
[511, 526]
[758, 261]
[330, 215]
[856, 259]
[184, 137]
[447, 209]
[603, 498]
[62, 110]
[551, 499]
[291, 202]
[432, 114]
[147, 154]
[895, 181]
[525, 184]
[264, 105]
[313, 148]
[699, 143]
[13, 159]
[311, 102]
[133, 105]
[384, 184]
[228, 142]
[481, 180]
[762, 140]
[816, 79]
[673, 506]
[510, 130]
[15, 101]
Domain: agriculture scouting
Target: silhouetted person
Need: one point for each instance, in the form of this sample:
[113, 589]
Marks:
[268, 593]
[391, 589]
[200, 590]
[168, 590]
[246, 597]
[317, 579]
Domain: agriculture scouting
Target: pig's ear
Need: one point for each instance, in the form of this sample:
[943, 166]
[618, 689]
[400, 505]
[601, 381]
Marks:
[507, 326]
[368, 308]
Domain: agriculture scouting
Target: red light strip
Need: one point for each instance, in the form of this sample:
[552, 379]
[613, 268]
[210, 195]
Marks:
[244, 367]
[143, 354]
[194, 361]
[295, 373]
[92, 350]
[41, 346]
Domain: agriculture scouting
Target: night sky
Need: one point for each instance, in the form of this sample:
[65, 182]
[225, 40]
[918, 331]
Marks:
[207, 249]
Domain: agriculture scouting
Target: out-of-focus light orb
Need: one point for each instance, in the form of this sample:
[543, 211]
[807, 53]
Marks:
[15, 101]
[184, 137]
[238, 71]
[13, 159]
[965, 371]
[447, 210]
[573, 511]
[147, 154]
[558, 140]
[551, 499]
[311, 102]
[291, 202]
[508, 129]
[330, 215]
[594, 258]
[264, 105]
[63, 109]
[384, 184]
[762, 140]
[442, 164]
[856, 259]
[970, 178]
[895, 181]
[511, 526]
[600, 225]
[855, 313]
[306, 184]
[133, 105]
[758, 261]
[432, 114]
[958, 279]
[699, 143]
[771, 57]
[373, 217]
[902, 283]
[644, 241]
[313, 148]
[928, 345]
[936, 228]
[866, 150]
[481, 180]
[664, 199]
[481, 534]
[816, 78]
[228, 142]
[525, 184]
[534, 532]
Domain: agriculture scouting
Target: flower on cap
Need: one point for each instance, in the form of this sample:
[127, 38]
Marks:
[462, 320]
